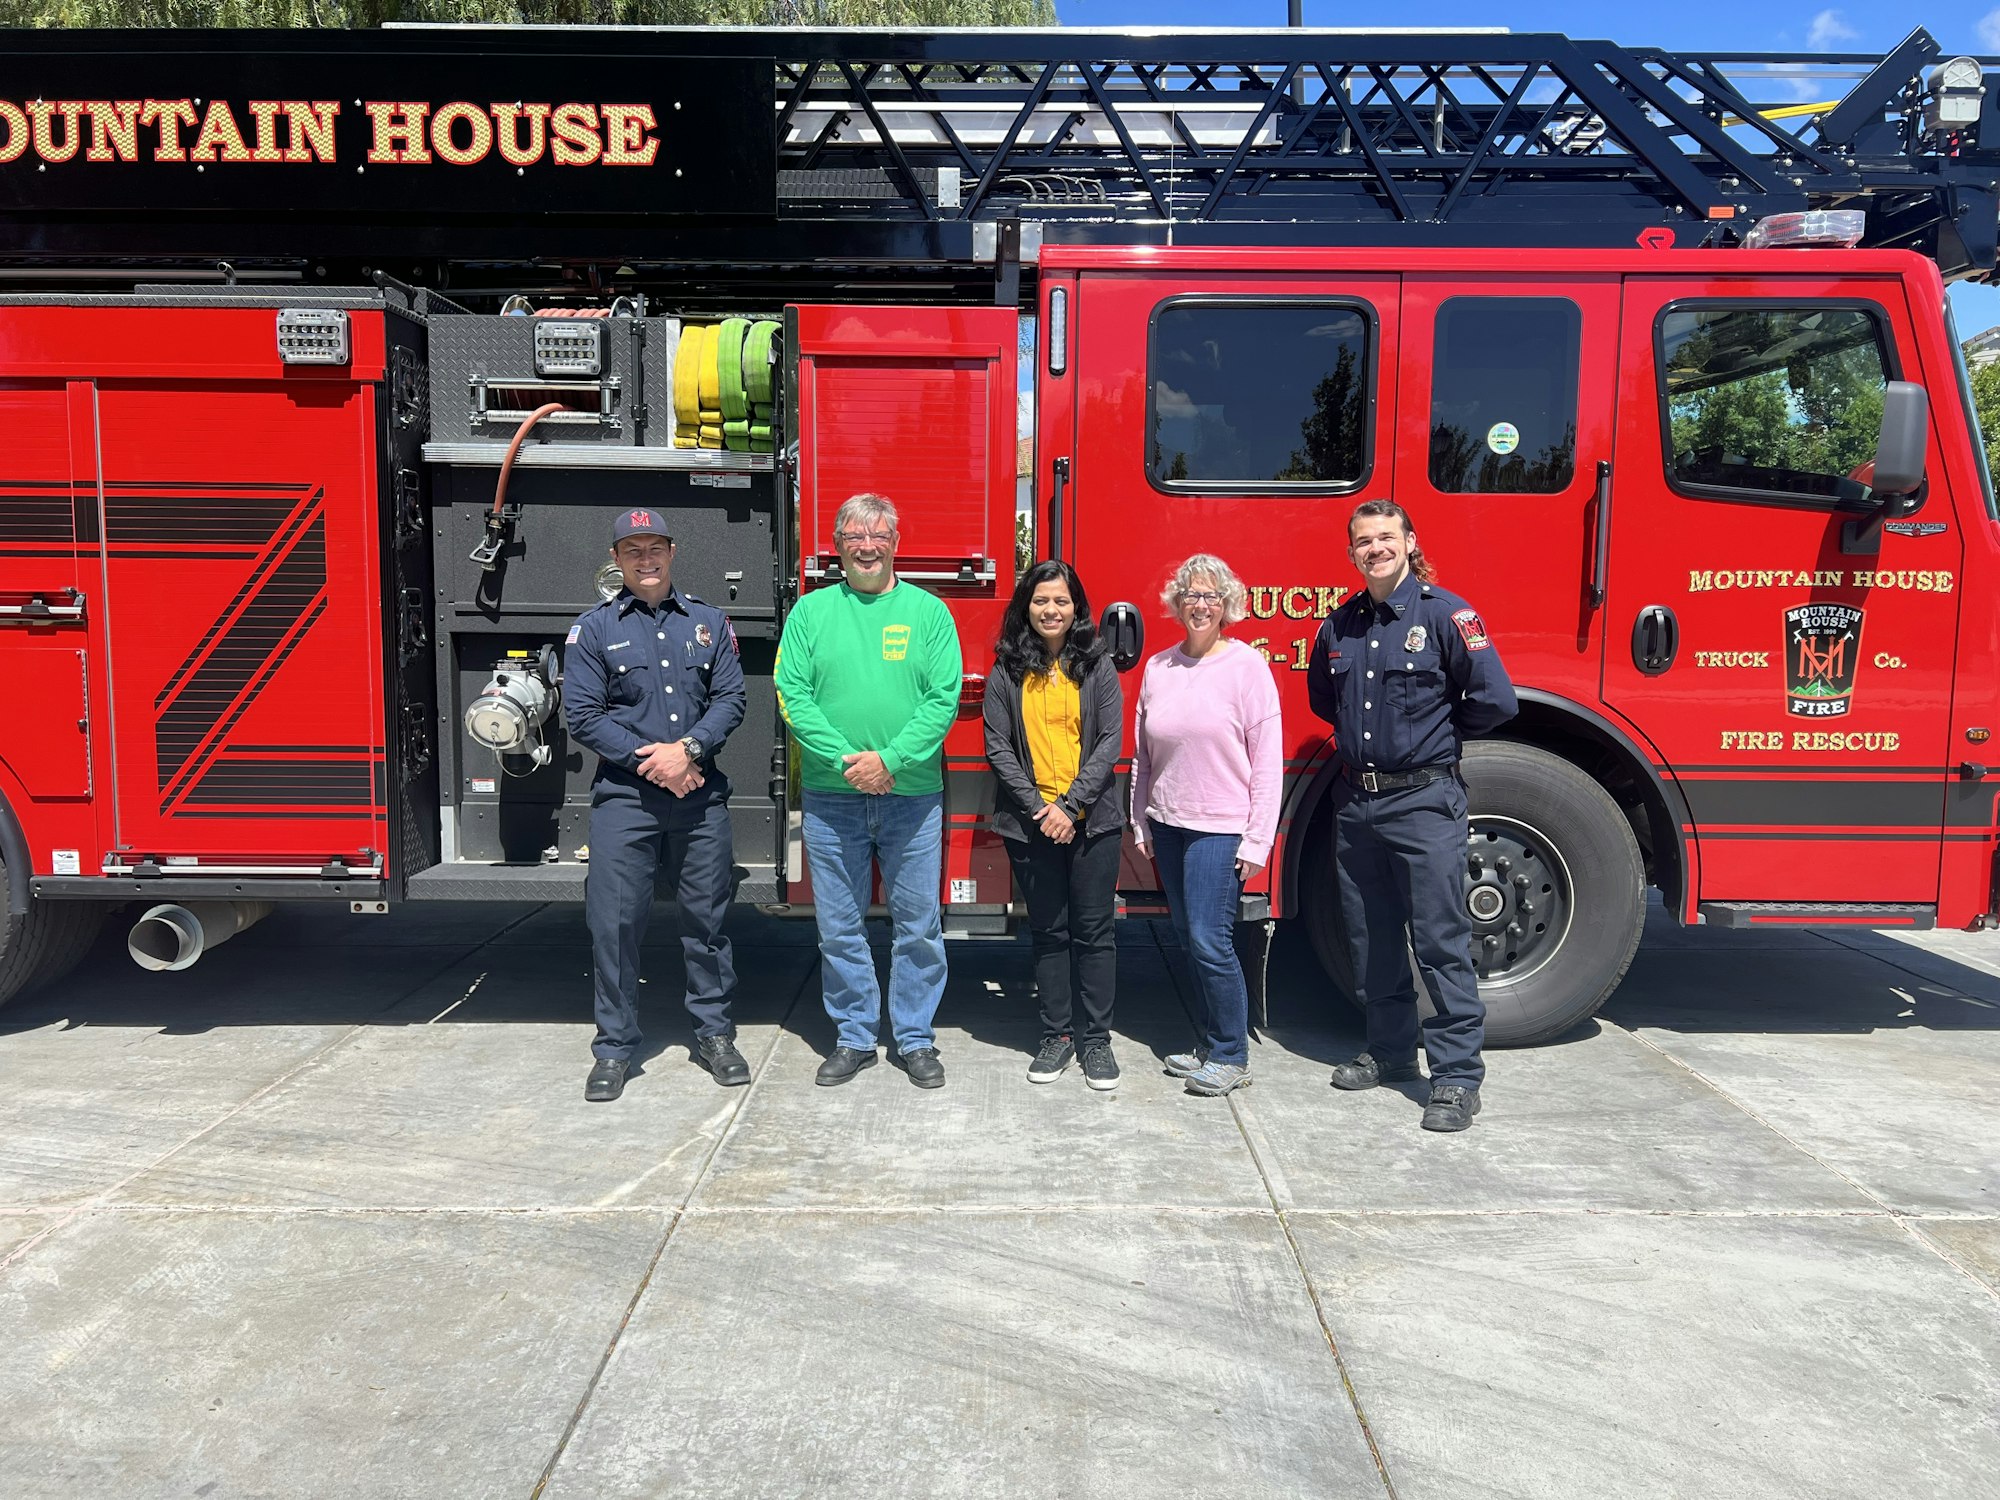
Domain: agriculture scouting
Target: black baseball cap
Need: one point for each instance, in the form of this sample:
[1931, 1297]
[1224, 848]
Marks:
[640, 522]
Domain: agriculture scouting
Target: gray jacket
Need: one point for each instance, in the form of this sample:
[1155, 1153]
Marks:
[1102, 702]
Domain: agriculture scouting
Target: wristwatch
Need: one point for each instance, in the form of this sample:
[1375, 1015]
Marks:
[693, 747]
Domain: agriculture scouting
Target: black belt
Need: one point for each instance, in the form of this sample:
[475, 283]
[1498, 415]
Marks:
[1390, 781]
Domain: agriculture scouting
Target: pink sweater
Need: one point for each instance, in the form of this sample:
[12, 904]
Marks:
[1209, 751]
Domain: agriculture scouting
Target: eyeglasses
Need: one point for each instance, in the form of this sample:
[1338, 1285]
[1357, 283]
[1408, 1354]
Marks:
[857, 538]
[1201, 596]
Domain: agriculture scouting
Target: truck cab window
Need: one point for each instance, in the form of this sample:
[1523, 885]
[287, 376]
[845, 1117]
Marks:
[1784, 402]
[1503, 395]
[1259, 396]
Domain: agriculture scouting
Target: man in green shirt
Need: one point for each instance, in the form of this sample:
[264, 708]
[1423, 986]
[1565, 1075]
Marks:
[868, 679]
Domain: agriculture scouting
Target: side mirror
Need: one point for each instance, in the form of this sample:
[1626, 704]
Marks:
[1899, 450]
[1124, 633]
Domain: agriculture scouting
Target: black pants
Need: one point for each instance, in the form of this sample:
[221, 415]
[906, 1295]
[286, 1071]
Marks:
[1072, 907]
[1402, 890]
[634, 829]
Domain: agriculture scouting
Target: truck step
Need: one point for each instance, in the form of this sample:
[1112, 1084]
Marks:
[1818, 914]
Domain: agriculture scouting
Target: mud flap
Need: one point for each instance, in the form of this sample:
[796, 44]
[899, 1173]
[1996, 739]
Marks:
[1253, 951]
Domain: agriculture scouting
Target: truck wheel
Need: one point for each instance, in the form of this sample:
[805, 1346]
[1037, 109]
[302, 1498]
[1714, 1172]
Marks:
[43, 943]
[1554, 886]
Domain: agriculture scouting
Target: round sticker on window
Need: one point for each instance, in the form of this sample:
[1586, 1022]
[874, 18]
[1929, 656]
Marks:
[1503, 437]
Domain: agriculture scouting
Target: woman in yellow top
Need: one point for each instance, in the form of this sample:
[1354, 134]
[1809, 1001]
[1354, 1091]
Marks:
[1055, 720]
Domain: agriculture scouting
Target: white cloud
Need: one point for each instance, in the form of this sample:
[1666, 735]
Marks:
[1988, 28]
[1829, 30]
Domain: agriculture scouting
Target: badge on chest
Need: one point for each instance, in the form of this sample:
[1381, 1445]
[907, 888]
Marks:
[1414, 641]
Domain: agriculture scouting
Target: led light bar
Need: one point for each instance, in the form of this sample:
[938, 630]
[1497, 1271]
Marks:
[569, 346]
[312, 336]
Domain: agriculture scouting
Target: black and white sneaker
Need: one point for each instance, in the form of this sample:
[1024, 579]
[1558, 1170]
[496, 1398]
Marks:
[1100, 1068]
[1057, 1053]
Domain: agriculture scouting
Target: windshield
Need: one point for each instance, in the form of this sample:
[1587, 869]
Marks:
[1971, 411]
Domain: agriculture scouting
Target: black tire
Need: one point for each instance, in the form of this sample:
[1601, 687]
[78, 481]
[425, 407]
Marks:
[1546, 968]
[42, 944]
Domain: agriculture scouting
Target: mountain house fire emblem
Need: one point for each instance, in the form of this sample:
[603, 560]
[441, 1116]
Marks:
[1822, 649]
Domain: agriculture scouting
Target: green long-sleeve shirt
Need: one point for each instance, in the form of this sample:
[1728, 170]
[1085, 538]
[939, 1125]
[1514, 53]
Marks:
[874, 672]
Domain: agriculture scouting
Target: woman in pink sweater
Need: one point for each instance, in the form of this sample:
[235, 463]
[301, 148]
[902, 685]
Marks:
[1206, 777]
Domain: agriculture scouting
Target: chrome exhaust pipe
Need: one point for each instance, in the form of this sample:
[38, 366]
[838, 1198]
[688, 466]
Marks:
[169, 938]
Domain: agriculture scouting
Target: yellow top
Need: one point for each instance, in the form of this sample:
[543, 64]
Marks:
[1052, 713]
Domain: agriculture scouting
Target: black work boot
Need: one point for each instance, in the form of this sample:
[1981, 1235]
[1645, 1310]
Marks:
[607, 1080]
[1452, 1107]
[843, 1063]
[924, 1066]
[718, 1054]
[1364, 1072]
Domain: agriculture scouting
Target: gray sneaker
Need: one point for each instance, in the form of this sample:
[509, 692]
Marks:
[1181, 1064]
[1100, 1068]
[1057, 1053]
[1214, 1078]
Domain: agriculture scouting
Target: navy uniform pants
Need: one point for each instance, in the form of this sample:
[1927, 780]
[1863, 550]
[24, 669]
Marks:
[1401, 856]
[635, 828]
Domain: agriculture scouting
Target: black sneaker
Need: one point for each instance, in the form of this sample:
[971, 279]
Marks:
[718, 1054]
[925, 1067]
[1057, 1053]
[843, 1063]
[1364, 1072]
[1100, 1068]
[1452, 1107]
[607, 1079]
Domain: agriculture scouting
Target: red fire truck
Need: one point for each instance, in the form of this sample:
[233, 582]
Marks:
[323, 356]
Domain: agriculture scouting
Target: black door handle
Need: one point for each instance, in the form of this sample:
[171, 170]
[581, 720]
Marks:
[1061, 469]
[1656, 639]
[1600, 542]
[1123, 630]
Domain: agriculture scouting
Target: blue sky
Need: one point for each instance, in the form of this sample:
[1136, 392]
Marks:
[1694, 25]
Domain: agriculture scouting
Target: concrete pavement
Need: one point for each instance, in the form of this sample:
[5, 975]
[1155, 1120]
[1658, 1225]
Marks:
[327, 1216]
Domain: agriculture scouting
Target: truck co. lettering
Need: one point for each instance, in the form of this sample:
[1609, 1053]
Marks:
[292, 131]
[1732, 658]
[1921, 581]
[1819, 741]
[1297, 601]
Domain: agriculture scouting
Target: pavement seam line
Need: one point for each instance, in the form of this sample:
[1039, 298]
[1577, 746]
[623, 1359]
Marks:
[1236, 1110]
[977, 1210]
[675, 1217]
[1899, 1217]
[96, 1202]
[1264, 1176]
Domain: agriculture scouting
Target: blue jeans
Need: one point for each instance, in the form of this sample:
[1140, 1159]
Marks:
[1198, 877]
[846, 834]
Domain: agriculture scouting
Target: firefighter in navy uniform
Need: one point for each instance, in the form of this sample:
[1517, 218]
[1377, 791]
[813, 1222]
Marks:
[653, 684]
[1405, 671]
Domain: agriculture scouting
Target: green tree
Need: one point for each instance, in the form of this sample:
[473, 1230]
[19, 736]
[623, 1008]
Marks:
[1986, 406]
[832, 14]
[1334, 434]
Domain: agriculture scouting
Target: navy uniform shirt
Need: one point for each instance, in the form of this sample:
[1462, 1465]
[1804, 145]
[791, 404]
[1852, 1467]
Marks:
[1403, 682]
[636, 674]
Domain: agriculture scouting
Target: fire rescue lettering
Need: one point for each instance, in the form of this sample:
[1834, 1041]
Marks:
[401, 132]
[1814, 741]
[1912, 580]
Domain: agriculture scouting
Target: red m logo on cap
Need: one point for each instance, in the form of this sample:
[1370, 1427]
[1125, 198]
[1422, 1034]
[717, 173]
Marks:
[642, 518]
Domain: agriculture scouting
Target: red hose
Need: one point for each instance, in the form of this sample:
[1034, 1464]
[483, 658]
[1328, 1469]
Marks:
[507, 463]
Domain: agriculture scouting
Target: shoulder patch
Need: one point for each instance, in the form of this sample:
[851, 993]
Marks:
[729, 629]
[1471, 629]
[574, 631]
